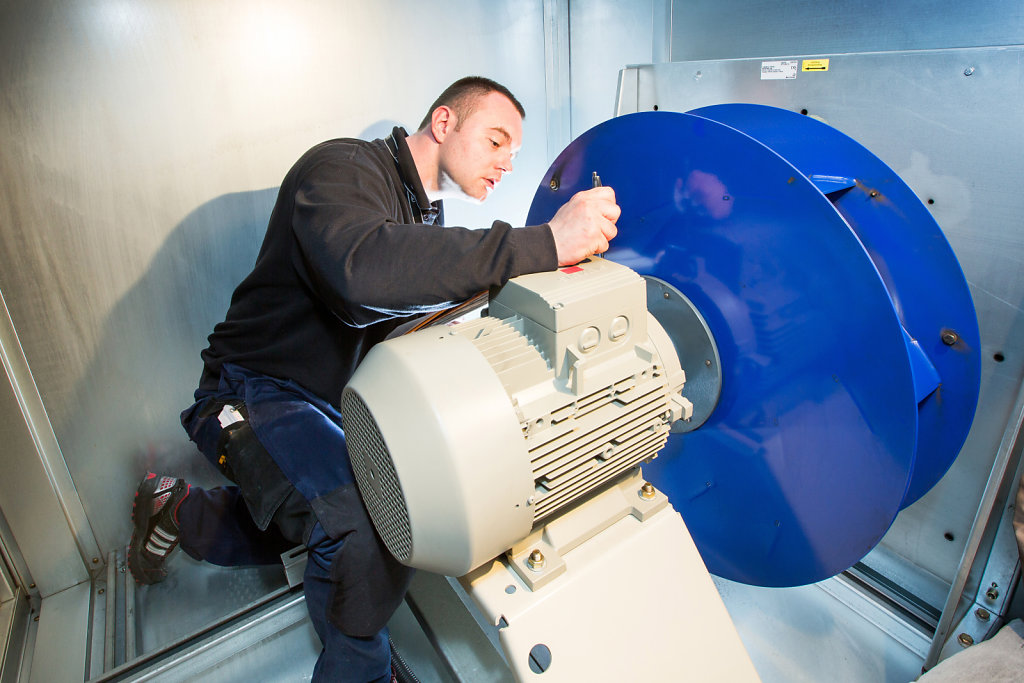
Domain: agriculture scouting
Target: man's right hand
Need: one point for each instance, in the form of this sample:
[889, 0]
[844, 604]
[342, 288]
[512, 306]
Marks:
[585, 224]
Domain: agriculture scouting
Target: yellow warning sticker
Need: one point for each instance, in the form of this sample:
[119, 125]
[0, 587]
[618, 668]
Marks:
[815, 65]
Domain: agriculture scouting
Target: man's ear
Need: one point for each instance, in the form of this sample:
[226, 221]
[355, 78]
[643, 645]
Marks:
[442, 122]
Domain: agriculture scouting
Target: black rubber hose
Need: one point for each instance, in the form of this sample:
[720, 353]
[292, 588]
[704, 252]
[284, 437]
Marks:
[403, 672]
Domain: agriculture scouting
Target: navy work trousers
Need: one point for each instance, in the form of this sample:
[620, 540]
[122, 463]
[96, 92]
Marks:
[286, 452]
[216, 527]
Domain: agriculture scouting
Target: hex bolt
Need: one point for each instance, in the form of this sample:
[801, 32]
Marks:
[982, 614]
[949, 337]
[536, 560]
[965, 639]
[992, 593]
[101, 591]
[647, 491]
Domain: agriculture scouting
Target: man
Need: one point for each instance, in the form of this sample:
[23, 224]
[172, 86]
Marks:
[353, 250]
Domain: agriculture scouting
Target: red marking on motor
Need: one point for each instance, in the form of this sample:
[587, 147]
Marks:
[572, 269]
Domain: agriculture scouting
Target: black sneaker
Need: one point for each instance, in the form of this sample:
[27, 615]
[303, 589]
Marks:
[154, 514]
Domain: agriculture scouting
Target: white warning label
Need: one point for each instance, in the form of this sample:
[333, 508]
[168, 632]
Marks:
[785, 68]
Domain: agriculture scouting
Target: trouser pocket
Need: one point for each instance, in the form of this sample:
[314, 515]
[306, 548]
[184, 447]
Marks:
[264, 487]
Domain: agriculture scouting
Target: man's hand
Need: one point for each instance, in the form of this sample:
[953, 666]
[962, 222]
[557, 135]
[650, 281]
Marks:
[585, 224]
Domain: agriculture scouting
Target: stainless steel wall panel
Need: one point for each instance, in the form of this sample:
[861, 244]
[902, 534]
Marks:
[61, 637]
[142, 145]
[606, 35]
[956, 140]
[557, 76]
[51, 553]
[731, 29]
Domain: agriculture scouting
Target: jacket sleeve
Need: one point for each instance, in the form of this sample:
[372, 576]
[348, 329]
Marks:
[367, 267]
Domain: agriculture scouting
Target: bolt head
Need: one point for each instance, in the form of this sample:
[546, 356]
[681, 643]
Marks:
[965, 639]
[949, 337]
[982, 614]
[647, 491]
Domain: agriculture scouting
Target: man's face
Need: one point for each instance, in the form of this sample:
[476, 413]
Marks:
[478, 151]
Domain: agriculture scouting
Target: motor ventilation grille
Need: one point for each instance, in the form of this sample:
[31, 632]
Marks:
[375, 475]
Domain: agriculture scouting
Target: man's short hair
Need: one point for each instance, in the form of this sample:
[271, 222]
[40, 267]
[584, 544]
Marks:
[461, 96]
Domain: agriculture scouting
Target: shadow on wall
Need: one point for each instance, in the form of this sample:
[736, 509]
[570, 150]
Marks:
[147, 365]
[125, 416]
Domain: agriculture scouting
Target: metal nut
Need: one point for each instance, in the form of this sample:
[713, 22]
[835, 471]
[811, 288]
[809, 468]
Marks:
[965, 639]
[982, 614]
[647, 491]
[536, 560]
[949, 337]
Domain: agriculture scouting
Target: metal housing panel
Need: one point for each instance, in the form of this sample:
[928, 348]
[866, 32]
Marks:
[948, 122]
[729, 29]
[32, 510]
[605, 35]
[61, 639]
